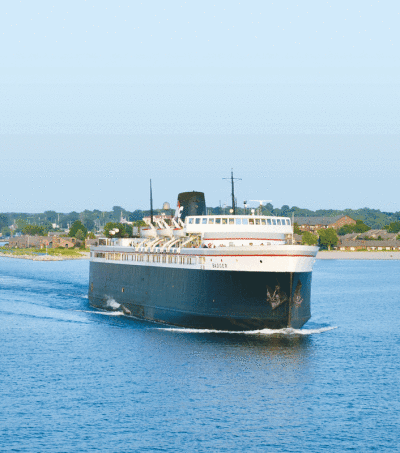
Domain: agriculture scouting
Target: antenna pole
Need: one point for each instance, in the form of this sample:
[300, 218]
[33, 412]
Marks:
[233, 193]
[233, 190]
[151, 204]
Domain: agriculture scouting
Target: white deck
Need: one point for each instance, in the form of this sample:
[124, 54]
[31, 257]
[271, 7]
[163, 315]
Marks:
[235, 243]
[238, 224]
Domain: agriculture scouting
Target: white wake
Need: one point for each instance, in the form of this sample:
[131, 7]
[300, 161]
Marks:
[105, 312]
[286, 331]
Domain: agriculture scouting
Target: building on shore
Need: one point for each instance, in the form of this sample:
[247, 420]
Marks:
[373, 240]
[41, 242]
[313, 224]
[352, 245]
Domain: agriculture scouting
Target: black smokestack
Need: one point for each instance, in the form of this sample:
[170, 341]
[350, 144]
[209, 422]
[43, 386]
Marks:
[193, 203]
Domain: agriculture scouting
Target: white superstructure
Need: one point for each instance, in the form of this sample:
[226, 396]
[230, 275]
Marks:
[224, 242]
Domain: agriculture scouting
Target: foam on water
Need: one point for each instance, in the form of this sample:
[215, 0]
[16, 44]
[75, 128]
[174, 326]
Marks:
[108, 313]
[111, 303]
[105, 312]
[286, 331]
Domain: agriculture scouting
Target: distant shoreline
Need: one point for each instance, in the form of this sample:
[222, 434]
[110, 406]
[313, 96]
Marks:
[83, 256]
[337, 255]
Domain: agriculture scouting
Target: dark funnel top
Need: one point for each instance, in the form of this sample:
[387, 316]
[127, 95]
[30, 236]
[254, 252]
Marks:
[193, 203]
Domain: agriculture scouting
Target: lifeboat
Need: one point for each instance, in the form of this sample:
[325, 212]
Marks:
[179, 232]
[148, 232]
[165, 232]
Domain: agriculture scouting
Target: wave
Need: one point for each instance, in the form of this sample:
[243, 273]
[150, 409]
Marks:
[106, 313]
[285, 331]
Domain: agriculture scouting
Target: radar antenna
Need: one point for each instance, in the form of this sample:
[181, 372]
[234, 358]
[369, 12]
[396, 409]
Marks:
[261, 204]
[151, 204]
[233, 189]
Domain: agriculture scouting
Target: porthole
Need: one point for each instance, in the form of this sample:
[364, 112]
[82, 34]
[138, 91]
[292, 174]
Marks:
[123, 290]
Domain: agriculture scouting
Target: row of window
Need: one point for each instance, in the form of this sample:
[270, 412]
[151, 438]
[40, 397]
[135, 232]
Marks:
[149, 258]
[237, 221]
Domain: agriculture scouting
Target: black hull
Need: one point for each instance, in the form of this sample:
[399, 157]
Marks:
[203, 299]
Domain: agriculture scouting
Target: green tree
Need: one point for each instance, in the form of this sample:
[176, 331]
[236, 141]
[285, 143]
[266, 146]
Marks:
[309, 238]
[5, 231]
[122, 233]
[20, 224]
[80, 235]
[128, 231]
[360, 227]
[296, 229]
[117, 210]
[3, 221]
[328, 238]
[33, 230]
[394, 227]
[139, 223]
[345, 229]
[70, 218]
[76, 226]
[285, 210]
[50, 216]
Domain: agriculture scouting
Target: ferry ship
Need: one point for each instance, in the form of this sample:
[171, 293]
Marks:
[222, 272]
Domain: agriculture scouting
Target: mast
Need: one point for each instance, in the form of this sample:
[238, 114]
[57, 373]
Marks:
[233, 190]
[151, 204]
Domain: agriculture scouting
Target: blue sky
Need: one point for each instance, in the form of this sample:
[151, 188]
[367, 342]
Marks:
[301, 99]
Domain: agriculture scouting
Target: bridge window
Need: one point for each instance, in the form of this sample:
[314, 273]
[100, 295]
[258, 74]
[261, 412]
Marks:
[211, 221]
[231, 221]
[190, 221]
[204, 221]
[257, 221]
[251, 221]
[269, 222]
[224, 221]
[262, 221]
[217, 221]
[197, 220]
[278, 221]
[238, 221]
[273, 221]
[245, 221]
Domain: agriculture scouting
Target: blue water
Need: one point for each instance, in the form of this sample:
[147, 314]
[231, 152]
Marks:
[76, 379]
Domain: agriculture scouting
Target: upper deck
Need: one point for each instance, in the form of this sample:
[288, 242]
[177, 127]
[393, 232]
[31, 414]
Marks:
[237, 224]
